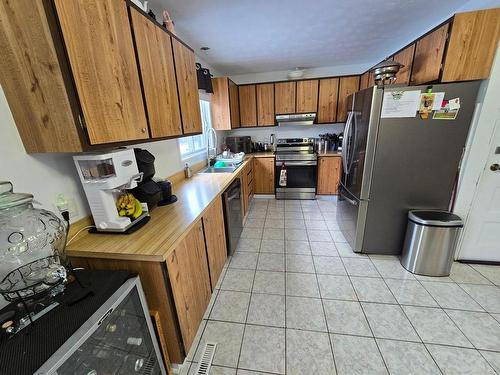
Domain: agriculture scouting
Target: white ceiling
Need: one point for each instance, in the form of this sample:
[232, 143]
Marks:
[256, 36]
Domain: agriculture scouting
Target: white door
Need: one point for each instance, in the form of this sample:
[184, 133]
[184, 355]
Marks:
[481, 237]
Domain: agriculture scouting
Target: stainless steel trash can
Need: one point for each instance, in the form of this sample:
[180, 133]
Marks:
[431, 238]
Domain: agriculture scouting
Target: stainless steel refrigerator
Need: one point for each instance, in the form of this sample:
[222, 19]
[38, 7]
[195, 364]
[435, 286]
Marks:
[392, 165]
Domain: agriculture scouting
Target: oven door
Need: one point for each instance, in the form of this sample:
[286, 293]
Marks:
[300, 182]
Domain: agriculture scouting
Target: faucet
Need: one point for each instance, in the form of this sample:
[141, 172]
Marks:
[211, 136]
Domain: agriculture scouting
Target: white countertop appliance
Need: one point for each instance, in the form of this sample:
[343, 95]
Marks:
[105, 177]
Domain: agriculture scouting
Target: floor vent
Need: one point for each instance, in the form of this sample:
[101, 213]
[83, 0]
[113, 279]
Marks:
[206, 359]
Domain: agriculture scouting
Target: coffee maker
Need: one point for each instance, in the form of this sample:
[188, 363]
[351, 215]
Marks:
[106, 178]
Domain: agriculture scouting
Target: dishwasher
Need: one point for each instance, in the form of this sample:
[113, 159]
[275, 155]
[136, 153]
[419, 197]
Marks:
[233, 219]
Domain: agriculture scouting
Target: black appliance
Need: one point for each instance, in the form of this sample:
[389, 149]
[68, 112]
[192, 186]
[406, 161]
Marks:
[239, 144]
[147, 190]
[298, 157]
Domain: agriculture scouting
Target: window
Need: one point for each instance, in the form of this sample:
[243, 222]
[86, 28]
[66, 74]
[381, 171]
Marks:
[189, 146]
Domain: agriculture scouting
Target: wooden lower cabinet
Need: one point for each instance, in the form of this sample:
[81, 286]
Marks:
[247, 188]
[190, 282]
[329, 175]
[215, 238]
[263, 175]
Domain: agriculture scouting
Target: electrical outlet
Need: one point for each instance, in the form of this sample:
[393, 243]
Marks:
[64, 203]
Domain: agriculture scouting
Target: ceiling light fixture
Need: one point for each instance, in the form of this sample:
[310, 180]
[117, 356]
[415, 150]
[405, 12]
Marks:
[295, 73]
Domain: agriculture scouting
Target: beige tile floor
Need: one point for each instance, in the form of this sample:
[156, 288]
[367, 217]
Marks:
[295, 299]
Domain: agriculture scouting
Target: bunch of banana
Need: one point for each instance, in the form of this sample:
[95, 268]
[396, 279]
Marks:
[128, 206]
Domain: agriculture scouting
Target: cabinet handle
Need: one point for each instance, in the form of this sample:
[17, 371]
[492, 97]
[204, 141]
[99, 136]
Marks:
[143, 130]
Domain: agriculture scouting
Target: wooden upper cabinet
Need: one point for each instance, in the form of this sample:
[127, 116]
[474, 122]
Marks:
[429, 53]
[363, 80]
[329, 174]
[248, 105]
[265, 104]
[328, 97]
[347, 86]
[187, 84]
[225, 104]
[405, 57]
[102, 59]
[34, 80]
[187, 268]
[285, 96]
[472, 46]
[307, 96]
[263, 175]
[215, 237]
[156, 61]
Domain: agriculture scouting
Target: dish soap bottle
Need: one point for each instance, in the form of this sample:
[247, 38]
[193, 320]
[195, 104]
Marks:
[188, 173]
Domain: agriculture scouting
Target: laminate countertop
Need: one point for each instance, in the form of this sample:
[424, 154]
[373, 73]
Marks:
[168, 224]
[330, 154]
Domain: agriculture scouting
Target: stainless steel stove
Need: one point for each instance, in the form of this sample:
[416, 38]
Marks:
[298, 157]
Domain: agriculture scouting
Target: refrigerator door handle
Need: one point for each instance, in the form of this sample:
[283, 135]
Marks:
[345, 153]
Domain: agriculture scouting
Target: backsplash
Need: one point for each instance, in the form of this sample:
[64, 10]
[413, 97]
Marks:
[286, 131]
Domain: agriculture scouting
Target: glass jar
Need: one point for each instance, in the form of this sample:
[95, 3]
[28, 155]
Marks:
[31, 241]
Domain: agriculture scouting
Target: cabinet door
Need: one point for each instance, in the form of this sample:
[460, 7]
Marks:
[248, 106]
[187, 84]
[328, 97]
[329, 174]
[265, 104]
[188, 274]
[263, 175]
[347, 86]
[234, 104]
[284, 98]
[429, 56]
[221, 114]
[307, 96]
[472, 46]
[156, 61]
[215, 237]
[364, 80]
[99, 45]
[405, 57]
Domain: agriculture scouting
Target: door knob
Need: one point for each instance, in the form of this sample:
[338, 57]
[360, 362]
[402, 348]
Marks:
[495, 167]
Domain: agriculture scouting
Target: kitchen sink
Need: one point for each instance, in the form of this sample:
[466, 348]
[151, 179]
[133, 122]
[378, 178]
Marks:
[220, 169]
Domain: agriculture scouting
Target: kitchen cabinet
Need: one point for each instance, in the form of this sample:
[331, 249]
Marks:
[327, 102]
[428, 56]
[247, 188]
[225, 104]
[347, 86]
[248, 105]
[102, 59]
[404, 57]
[472, 45]
[263, 175]
[215, 237]
[190, 282]
[307, 96]
[187, 84]
[265, 104]
[329, 174]
[285, 97]
[156, 61]
[364, 80]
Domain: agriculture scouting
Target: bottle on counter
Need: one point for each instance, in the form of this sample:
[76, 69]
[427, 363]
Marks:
[188, 173]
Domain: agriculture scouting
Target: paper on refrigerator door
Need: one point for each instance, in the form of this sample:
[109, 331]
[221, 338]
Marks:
[400, 104]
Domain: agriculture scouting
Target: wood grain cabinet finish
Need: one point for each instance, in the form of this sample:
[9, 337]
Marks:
[327, 102]
[472, 45]
[285, 97]
[263, 175]
[248, 105]
[35, 79]
[190, 282]
[347, 86]
[428, 57]
[247, 188]
[405, 57]
[156, 61]
[102, 59]
[215, 238]
[225, 104]
[329, 175]
[307, 96]
[265, 104]
[363, 80]
[187, 84]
